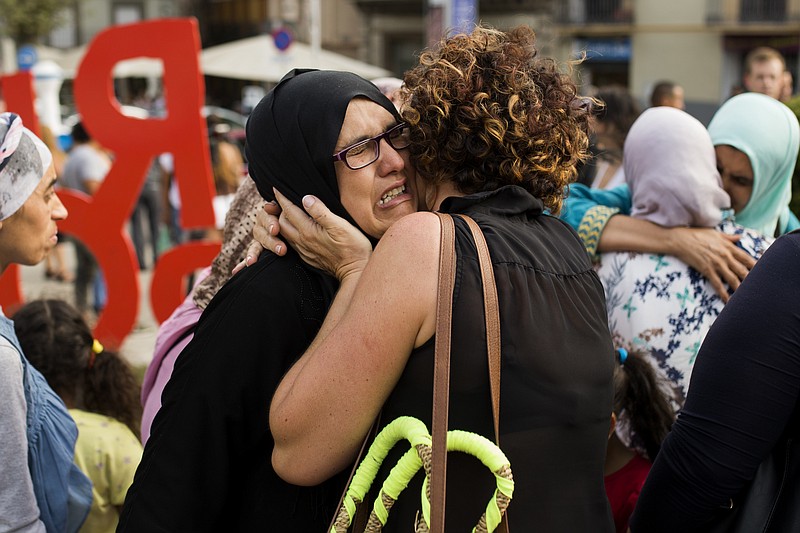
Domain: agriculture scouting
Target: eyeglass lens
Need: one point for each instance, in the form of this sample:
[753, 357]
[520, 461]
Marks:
[368, 151]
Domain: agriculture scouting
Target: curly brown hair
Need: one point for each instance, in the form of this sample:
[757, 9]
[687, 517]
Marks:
[486, 112]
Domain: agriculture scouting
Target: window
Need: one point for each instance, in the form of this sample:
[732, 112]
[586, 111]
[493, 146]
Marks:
[127, 13]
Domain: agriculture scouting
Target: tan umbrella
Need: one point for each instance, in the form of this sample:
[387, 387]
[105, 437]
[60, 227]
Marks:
[257, 59]
[252, 58]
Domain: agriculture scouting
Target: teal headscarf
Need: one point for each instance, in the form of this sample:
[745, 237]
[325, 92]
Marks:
[769, 135]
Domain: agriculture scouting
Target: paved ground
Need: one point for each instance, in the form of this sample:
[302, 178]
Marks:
[138, 346]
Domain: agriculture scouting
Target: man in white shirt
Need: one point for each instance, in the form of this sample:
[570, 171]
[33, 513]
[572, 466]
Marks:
[85, 170]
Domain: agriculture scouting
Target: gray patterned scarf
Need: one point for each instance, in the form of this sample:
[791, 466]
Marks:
[24, 158]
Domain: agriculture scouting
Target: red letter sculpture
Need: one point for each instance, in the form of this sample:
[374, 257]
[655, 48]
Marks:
[99, 222]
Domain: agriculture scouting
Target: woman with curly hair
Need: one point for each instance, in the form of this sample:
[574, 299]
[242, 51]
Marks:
[496, 133]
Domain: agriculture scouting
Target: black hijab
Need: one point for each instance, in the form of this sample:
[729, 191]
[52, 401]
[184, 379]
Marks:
[292, 133]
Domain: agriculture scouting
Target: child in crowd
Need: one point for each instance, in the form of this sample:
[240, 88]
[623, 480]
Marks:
[642, 416]
[101, 393]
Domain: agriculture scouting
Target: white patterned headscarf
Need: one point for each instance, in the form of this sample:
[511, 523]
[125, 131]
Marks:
[671, 169]
[24, 158]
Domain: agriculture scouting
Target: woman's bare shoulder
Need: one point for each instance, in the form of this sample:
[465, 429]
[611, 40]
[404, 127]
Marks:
[417, 233]
[423, 222]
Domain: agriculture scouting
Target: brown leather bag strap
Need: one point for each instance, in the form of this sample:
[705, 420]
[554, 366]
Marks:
[492, 312]
[441, 373]
[493, 345]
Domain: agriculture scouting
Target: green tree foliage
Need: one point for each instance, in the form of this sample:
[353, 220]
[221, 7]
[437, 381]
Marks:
[794, 205]
[26, 21]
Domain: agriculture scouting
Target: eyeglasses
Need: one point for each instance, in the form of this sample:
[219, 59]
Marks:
[366, 152]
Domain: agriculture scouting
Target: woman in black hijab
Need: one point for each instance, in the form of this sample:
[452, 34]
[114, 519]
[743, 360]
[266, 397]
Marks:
[206, 466]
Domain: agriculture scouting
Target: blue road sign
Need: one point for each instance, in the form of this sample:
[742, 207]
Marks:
[26, 57]
[283, 38]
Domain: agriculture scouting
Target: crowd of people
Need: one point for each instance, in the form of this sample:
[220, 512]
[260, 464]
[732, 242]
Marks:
[643, 264]
[155, 222]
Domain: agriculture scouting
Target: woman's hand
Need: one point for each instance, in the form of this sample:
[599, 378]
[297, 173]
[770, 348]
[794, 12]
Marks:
[323, 240]
[265, 236]
[714, 254]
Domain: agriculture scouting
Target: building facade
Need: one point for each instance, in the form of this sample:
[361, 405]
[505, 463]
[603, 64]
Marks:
[699, 44]
[83, 19]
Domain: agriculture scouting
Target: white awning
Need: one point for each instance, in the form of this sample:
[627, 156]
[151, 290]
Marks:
[257, 59]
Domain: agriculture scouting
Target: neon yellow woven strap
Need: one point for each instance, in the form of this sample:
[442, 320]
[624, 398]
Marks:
[416, 433]
[404, 427]
[495, 460]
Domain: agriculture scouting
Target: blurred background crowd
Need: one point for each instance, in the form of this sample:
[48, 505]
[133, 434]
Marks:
[634, 54]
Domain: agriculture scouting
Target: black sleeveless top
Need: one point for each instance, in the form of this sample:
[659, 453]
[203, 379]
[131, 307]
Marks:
[556, 382]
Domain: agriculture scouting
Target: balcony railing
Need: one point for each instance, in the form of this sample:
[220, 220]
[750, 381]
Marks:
[500, 6]
[594, 11]
[387, 7]
[753, 11]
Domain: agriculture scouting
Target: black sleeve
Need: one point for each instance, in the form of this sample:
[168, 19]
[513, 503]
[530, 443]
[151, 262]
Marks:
[207, 464]
[742, 396]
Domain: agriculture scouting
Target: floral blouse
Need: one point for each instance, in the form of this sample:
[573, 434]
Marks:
[662, 306]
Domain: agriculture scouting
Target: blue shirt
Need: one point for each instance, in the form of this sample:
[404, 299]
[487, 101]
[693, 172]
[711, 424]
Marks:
[63, 492]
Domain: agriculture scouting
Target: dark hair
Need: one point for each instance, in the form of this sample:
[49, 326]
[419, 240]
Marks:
[79, 133]
[485, 112]
[662, 91]
[642, 396]
[619, 109]
[57, 341]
